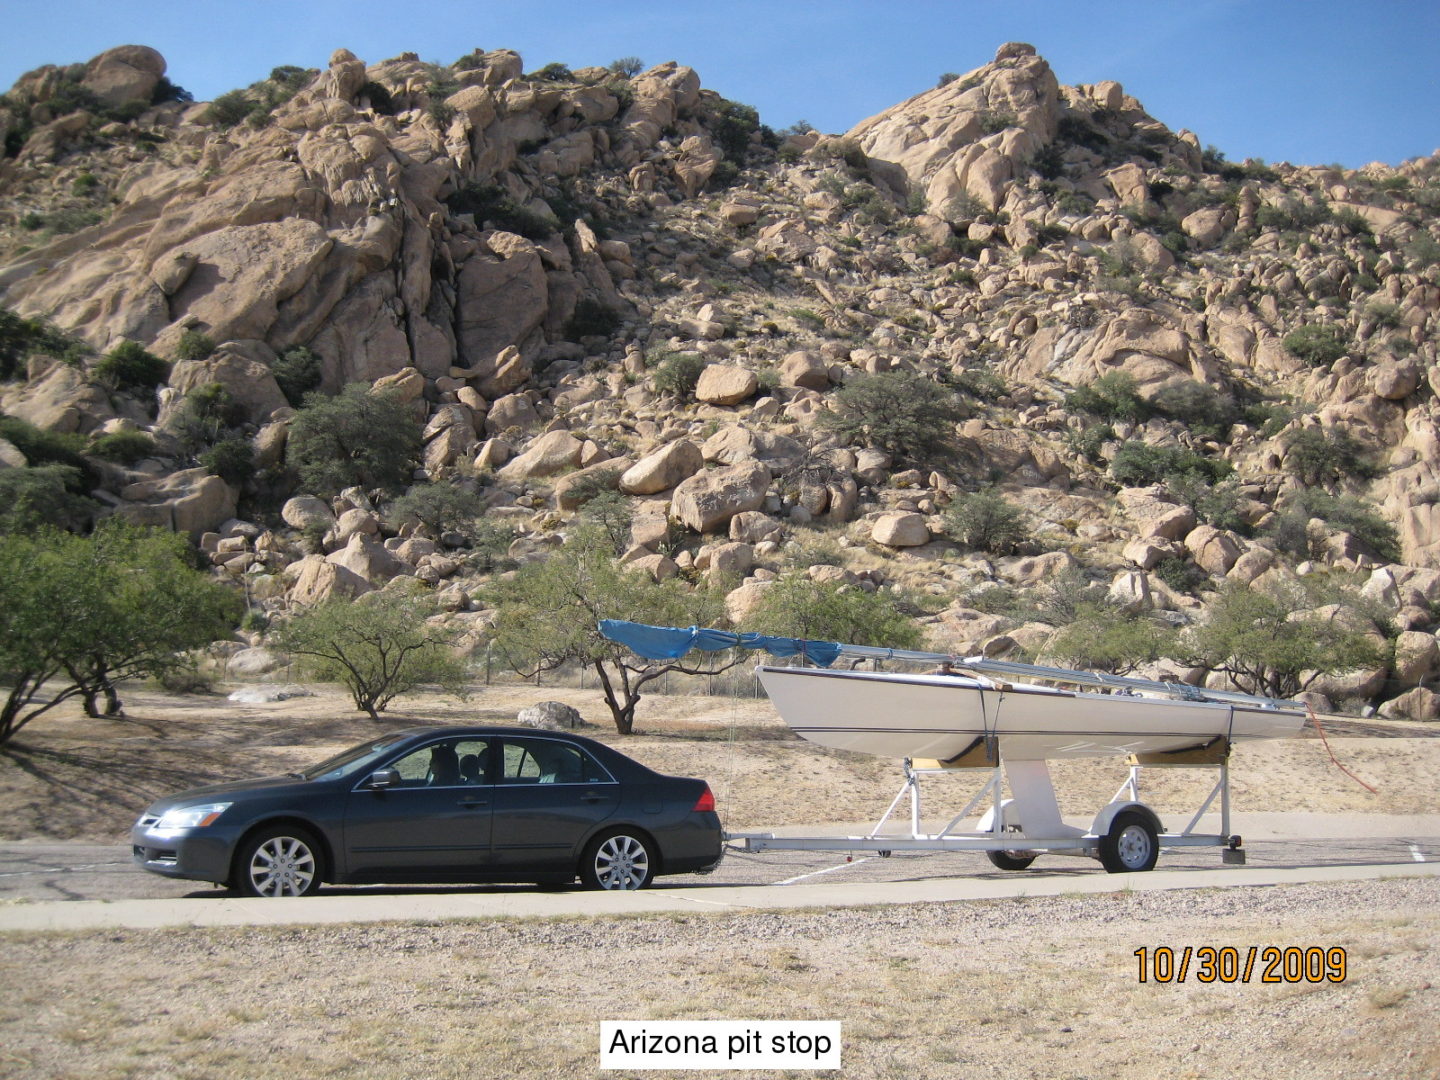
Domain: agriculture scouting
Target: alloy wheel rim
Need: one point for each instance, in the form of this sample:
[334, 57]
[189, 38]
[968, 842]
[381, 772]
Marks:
[622, 863]
[283, 866]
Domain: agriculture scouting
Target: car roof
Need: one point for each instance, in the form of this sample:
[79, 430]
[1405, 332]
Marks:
[490, 729]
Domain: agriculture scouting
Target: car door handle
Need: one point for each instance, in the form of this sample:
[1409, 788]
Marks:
[593, 797]
[474, 802]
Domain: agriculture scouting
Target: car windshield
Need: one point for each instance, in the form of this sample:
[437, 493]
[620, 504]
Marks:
[352, 761]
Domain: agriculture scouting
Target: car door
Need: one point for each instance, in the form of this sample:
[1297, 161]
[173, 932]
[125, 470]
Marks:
[550, 795]
[434, 824]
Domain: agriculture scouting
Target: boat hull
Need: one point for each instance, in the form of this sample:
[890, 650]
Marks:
[945, 717]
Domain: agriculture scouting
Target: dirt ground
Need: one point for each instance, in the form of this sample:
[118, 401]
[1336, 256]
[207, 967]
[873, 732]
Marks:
[1042, 988]
[68, 777]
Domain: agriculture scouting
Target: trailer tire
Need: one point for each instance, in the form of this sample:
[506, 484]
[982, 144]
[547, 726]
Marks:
[1011, 860]
[1131, 846]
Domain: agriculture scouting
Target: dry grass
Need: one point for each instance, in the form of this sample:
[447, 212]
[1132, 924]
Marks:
[1034, 988]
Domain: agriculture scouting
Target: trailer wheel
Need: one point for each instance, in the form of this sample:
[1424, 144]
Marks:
[1131, 846]
[1011, 860]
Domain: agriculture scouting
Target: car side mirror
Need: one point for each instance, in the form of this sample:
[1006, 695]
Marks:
[384, 778]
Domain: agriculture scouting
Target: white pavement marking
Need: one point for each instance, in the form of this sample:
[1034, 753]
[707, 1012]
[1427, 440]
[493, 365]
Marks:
[1415, 853]
[827, 870]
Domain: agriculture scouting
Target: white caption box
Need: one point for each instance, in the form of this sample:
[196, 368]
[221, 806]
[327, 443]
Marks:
[720, 1044]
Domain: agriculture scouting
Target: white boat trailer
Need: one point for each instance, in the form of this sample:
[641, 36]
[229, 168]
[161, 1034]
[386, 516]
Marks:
[1126, 836]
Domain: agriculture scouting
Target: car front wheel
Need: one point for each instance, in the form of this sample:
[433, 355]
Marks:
[618, 861]
[278, 862]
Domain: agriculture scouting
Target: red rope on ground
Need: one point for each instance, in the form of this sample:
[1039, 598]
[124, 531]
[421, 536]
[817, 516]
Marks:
[1333, 759]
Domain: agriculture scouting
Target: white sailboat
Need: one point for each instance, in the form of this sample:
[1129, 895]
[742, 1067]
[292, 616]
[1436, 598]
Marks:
[951, 717]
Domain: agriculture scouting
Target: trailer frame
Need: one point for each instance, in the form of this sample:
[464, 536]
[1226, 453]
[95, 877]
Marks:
[1125, 835]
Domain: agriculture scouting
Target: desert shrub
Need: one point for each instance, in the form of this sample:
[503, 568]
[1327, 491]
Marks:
[678, 374]
[123, 447]
[489, 202]
[1202, 408]
[205, 416]
[356, 437]
[43, 495]
[1270, 417]
[610, 514]
[1114, 396]
[627, 67]
[130, 367]
[1074, 203]
[796, 606]
[441, 508]
[979, 382]
[592, 318]
[1216, 504]
[166, 91]
[897, 411]
[1138, 464]
[22, 338]
[993, 121]
[1346, 513]
[42, 447]
[1292, 215]
[194, 345]
[1315, 345]
[1180, 574]
[731, 125]
[984, 521]
[1422, 252]
[554, 72]
[592, 485]
[1049, 161]
[1321, 455]
[1088, 441]
[297, 373]
[233, 460]
[231, 108]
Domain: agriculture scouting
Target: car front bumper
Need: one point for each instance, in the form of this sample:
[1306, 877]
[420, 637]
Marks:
[193, 854]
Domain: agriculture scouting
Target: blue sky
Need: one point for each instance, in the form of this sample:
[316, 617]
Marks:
[1311, 83]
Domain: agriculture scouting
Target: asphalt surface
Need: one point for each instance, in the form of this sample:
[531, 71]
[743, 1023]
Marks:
[75, 885]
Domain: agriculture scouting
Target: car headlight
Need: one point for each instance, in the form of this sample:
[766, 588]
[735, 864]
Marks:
[190, 817]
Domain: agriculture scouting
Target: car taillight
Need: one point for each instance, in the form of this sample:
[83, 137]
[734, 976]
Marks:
[706, 801]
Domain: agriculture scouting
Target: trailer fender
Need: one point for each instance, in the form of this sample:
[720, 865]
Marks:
[1009, 816]
[1101, 824]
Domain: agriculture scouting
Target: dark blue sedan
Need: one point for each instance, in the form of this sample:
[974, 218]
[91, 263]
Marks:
[454, 804]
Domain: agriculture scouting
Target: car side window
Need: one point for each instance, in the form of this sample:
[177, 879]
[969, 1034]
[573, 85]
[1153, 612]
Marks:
[545, 761]
[448, 763]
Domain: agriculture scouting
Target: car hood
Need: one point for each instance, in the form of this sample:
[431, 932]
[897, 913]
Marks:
[266, 786]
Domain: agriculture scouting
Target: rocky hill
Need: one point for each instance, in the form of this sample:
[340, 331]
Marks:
[1183, 370]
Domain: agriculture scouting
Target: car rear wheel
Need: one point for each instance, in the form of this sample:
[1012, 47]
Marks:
[620, 860]
[283, 861]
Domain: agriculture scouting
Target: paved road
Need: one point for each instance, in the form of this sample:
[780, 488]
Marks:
[38, 872]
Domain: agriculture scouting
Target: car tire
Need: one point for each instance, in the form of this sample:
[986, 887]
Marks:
[1131, 846]
[280, 861]
[1011, 860]
[618, 860]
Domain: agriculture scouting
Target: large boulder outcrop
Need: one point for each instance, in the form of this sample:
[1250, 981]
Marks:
[663, 469]
[708, 500]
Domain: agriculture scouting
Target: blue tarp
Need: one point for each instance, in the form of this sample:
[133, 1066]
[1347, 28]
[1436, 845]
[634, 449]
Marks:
[673, 642]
